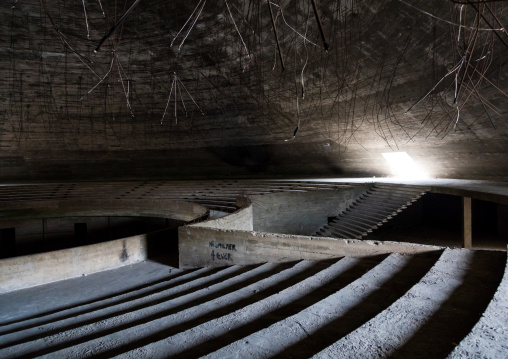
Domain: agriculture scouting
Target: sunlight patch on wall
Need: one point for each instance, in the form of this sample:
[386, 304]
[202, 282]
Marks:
[403, 166]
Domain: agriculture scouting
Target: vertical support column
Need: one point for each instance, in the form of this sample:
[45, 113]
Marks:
[467, 229]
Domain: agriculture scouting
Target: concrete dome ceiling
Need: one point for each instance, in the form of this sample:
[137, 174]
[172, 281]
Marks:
[197, 89]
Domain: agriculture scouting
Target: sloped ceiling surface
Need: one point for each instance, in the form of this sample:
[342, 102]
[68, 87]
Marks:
[217, 89]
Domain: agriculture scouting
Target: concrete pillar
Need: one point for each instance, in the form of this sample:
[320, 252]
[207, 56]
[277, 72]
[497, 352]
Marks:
[467, 229]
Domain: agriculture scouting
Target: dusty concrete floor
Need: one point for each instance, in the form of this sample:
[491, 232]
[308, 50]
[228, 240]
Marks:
[427, 305]
[442, 304]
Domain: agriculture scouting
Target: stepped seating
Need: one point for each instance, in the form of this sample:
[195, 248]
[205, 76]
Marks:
[216, 195]
[371, 210]
[424, 305]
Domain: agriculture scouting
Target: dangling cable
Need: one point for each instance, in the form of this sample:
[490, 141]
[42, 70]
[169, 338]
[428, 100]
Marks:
[276, 36]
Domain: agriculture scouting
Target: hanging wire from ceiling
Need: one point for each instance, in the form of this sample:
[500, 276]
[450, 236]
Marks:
[193, 18]
[113, 29]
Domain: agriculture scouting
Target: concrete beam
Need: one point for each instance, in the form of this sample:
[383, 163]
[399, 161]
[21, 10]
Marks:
[210, 247]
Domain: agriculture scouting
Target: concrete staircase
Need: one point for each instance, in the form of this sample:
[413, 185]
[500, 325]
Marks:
[407, 306]
[218, 195]
[371, 210]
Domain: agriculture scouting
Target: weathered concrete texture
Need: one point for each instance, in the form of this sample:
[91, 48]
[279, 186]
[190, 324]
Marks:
[207, 247]
[22, 304]
[449, 299]
[28, 271]
[47, 234]
[409, 303]
[164, 208]
[240, 220]
[300, 212]
[370, 211]
[69, 112]
[488, 337]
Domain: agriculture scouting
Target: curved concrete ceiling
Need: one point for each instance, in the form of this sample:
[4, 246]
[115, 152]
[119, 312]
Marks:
[197, 89]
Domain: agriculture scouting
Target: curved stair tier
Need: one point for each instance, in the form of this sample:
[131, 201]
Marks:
[371, 210]
[216, 195]
[422, 305]
[488, 339]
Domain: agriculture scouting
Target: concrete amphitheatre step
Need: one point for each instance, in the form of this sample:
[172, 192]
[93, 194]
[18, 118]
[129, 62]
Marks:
[391, 305]
[371, 210]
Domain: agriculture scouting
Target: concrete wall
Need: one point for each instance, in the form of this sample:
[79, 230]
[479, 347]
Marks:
[300, 212]
[208, 247]
[240, 220]
[28, 271]
[51, 127]
[48, 234]
[178, 210]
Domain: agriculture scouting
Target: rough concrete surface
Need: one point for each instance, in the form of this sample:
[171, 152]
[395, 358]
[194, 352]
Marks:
[217, 247]
[489, 336]
[367, 299]
[32, 270]
[240, 220]
[395, 305]
[300, 212]
[22, 304]
[65, 116]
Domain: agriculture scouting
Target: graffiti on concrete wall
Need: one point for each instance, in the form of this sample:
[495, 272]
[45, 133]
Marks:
[221, 251]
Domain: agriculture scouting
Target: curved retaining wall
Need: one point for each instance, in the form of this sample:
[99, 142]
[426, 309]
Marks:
[266, 230]
[28, 271]
[239, 220]
[178, 210]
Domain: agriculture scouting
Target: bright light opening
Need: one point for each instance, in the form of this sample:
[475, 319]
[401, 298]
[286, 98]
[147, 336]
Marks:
[403, 166]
